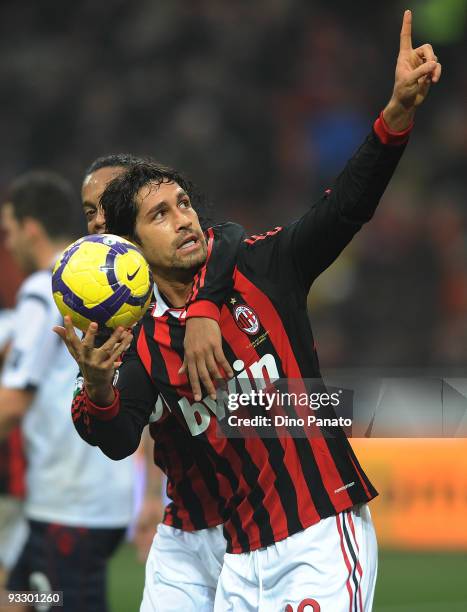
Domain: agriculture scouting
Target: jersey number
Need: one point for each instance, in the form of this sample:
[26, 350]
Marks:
[307, 605]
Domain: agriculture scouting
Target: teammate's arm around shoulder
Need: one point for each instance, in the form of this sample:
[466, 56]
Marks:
[204, 357]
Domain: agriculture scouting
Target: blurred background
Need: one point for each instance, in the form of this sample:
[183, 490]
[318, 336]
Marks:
[261, 103]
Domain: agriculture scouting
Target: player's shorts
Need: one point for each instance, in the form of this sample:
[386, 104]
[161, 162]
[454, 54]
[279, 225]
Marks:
[328, 567]
[182, 570]
[69, 559]
[13, 530]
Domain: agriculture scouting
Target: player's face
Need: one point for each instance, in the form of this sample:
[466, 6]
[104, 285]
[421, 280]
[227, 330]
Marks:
[168, 230]
[16, 238]
[93, 187]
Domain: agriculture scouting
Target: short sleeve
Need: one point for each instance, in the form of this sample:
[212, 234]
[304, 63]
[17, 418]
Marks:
[32, 341]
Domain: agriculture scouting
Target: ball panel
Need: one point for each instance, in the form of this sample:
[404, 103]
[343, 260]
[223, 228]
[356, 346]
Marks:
[132, 271]
[102, 278]
[78, 320]
[127, 316]
[85, 273]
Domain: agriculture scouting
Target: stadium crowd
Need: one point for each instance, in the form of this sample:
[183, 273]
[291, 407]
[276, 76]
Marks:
[261, 102]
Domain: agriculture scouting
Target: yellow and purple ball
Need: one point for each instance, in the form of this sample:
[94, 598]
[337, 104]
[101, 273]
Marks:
[102, 278]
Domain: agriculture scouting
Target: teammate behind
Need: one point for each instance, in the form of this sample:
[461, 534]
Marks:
[78, 502]
[97, 177]
[186, 555]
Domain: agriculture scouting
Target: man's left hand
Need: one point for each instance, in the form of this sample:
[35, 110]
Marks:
[416, 70]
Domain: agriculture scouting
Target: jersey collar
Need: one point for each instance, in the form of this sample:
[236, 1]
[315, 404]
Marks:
[161, 308]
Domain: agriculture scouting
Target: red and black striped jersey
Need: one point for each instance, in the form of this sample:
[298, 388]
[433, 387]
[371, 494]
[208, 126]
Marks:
[12, 465]
[195, 504]
[268, 487]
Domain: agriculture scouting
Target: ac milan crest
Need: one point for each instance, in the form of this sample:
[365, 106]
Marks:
[246, 319]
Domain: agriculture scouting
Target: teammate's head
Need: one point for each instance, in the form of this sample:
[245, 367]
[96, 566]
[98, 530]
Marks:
[98, 175]
[153, 205]
[41, 213]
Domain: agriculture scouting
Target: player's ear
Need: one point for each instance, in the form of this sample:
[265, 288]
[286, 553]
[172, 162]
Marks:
[33, 228]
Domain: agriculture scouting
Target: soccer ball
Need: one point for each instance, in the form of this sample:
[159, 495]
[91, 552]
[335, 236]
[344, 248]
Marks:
[102, 278]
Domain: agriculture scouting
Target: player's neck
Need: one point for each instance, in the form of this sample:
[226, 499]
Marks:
[175, 291]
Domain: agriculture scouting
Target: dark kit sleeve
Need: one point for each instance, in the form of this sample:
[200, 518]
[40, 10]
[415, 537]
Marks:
[117, 429]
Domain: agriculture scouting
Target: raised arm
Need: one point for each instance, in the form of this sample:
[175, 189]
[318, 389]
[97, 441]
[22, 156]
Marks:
[317, 239]
[320, 236]
[300, 252]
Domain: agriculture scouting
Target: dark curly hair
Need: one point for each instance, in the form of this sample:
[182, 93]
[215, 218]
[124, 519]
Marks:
[119, 197]
[115, 160]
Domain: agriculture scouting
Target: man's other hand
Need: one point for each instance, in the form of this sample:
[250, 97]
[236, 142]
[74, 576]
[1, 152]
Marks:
[97, 365]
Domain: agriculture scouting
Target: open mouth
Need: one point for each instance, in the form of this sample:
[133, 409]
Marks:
[190, 243]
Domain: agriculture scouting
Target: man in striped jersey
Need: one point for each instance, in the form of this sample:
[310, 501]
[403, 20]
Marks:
[298, 529]
[186, 555]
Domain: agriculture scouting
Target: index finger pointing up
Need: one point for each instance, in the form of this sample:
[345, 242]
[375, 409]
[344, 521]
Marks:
[406, 31]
